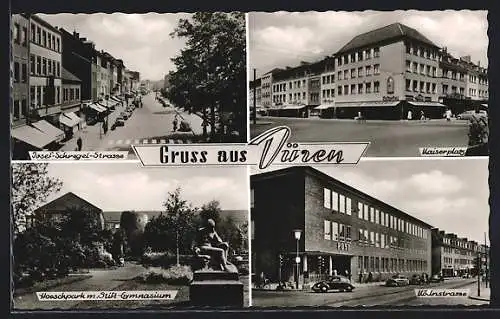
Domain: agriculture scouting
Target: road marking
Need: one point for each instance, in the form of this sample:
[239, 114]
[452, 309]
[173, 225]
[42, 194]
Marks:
[128, 142]
[153, 141]
[119, 142]
[163, 141]
[171, 142]
[145, 142]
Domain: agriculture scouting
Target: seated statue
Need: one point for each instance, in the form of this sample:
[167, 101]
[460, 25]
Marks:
[212, 250]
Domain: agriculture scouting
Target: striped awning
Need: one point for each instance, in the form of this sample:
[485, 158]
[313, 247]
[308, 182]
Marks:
[367, 104]
[97, 107]
[32, 136]
[324, 106]
[49, 129]
[69, 120]
[426, 104]
[293, 107]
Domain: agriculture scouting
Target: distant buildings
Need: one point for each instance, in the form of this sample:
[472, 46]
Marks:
[20, 76]
[383, 74]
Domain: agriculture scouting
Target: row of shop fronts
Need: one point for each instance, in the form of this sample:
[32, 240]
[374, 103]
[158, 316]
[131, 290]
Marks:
[52, 131]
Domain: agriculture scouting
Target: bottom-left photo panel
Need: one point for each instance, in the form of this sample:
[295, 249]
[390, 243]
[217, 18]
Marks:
[120, 236]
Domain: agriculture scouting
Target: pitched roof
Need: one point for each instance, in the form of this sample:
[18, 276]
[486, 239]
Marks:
[63, 198]
[393, 31]
[66, 75]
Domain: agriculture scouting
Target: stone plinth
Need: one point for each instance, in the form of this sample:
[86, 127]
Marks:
[216, 288]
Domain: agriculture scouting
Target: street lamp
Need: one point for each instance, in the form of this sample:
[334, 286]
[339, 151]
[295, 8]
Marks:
[297, 233]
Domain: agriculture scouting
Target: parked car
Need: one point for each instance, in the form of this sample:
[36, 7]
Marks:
[466, 276]
[416, 280]
[397, 280]
[436, 279]
[467, 115]
[119, 122]
[333, 283]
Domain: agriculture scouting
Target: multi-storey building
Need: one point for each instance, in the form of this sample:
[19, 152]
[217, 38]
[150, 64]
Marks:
[102, 75]
[45, 69]
[71, 117]
[453, 256]
[120, 68]
[267, 87]
[20, 78]
[255, 93]
[343, 230]
[328, 89]
[78, 58]
[387, 72]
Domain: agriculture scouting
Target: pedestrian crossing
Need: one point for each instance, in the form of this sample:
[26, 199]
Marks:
[148, 141]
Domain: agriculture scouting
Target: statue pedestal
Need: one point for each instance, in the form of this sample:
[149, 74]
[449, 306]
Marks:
[216, 288]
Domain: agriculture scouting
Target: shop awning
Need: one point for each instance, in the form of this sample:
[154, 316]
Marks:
[104, 106]
[426, 103]
[66, 119]
[74, 116]
[49, 129]
[117, 99]
[324, 106]
[293, 107]
[485, 105]
[32, 136]
[97, 107]
[368, 104]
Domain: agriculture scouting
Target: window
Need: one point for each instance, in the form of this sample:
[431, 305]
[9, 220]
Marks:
[372, 238]
[366, 212]
[360, 210]
[368, 87]
[71, 94]
[44, 66]
[58, 45]
[335, 201]
[376, 87]
[335, 231]
[376, 52]
[39, 95]
[368, 70]
[353, 73]
[50, 41]
[38, 65]
[408, 85]
[353, 57]
[372, 214]
[33, 33]
[339, 61]
[24, 36]
[24, 107]
[346, 75]
[377, 240]
[327, 198]
[15, 35]
[339, 75]
[342, 203]
[346, 89]
[16, 110]
[16, 72]
[408, 66]
[77, 93]
[328, 230]
[58, 95]
[360, 56]
[32, 94]
[342, 231]
[348, 233]
[44, 38]
[58, 74]
[32, 64]
[366, 238]
[376, 69]
[24, 72]
[360, 88]
[348, 208]
[353, 89]
[361, 235]
[368, 54]
[382, 241]
[38, 35]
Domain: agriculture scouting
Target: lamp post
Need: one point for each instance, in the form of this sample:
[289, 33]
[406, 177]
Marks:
[297, 233]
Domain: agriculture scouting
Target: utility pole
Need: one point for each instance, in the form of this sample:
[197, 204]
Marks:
[254, 97]
[479, 273]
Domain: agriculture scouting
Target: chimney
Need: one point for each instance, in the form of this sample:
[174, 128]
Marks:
[76, 34]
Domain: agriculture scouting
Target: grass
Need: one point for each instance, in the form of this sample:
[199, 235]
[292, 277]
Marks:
[50, 283]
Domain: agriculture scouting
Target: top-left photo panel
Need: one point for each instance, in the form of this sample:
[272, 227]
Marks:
[105, 82]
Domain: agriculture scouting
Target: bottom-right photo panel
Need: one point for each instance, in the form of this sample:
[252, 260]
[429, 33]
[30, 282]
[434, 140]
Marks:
[384, 232]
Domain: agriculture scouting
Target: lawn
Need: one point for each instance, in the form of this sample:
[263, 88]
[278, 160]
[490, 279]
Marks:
[46, 285]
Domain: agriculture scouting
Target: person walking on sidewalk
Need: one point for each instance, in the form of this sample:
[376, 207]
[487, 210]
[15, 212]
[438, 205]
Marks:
[79, 143]
[174, 123]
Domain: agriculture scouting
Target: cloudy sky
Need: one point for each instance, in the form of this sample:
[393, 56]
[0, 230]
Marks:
[284, 39]
[128, 186]
[142, 41]
[449, 194]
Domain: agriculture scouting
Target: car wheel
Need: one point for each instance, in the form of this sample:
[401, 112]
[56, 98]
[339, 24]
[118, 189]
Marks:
[324, 289]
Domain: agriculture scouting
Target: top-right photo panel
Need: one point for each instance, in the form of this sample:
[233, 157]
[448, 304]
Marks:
[412, 83]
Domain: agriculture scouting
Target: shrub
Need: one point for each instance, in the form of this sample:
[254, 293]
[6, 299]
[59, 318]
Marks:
[175, 275]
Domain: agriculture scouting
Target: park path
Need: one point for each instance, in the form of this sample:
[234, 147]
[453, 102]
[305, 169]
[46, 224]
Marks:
[102, 279]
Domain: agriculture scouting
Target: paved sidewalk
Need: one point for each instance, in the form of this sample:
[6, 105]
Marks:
[265, 120]
[194, 120]
[485, 294]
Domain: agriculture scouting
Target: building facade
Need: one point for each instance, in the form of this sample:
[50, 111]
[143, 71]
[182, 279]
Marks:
[453, 256]
[20, 55]
[72, 117]
[255, 93]
[45, 69]
[344, 231]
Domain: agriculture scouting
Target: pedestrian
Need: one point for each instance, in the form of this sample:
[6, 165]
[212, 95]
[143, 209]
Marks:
[370, 277]
[410, 115]
[79, 143]
[348, 274]
[360, 276]
[448, 115]
[335, 272]
[175, 122]
[422, 115]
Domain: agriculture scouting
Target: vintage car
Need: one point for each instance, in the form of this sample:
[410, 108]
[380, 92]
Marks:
[397, 280]
[333, 283]
[436, 279]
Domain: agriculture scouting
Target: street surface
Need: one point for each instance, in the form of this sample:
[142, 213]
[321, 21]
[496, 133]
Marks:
[151, 124]
[102, 279]
[372, 295]
[388, 138]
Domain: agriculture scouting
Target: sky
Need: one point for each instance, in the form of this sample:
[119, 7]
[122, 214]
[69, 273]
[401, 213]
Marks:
[142, 41]
[128, 186]
[284, 39]
[448, 194]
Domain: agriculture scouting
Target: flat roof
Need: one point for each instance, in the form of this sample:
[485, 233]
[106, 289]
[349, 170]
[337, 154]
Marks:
[308, 170]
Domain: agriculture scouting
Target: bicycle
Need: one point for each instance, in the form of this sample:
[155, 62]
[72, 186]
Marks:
[266, 284]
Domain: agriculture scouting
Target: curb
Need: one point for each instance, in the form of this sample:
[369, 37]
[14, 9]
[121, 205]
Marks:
[479, 298]
[389, 122]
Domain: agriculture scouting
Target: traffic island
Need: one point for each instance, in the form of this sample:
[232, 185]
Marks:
[216, 289]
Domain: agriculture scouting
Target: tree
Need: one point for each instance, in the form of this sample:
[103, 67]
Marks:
[210, 210]
[211, 69]
[31, 186]
[179, 221]
[133, 225]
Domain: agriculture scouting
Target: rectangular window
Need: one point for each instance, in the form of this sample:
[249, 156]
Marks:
[372, 238]
[328, 230]
[38, 65]
[24, 72]
[353, 89]
[376, 52]
[335, 231]
[376, 87]
[32, 64]
[49, 62]
[376, 69]
[339, 75]
[348, 233]
[335, 201]
[346, 75]
[360, 210]
[16, 72]
[353, 73]
[377, 240]
[408, 66]
[377, 218]
[382, 240]
[348, 208]
[360, 88]
[342, 231]
[372, 214]
[368, 87]
[360, 71]
[368, 70]
[367, 239]
[77, 93]
[368, 54]
[44, 66]
[342, 203]
[361, 235]
[327, 199]
[366, 213]
[58, 74]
